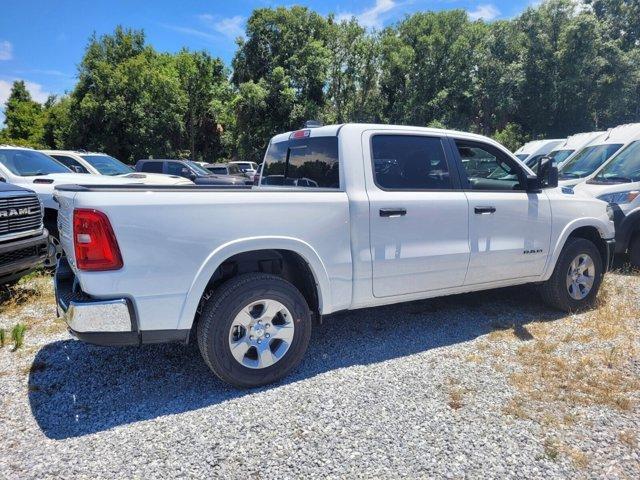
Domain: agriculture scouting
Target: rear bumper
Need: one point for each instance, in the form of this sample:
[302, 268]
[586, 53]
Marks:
[103, 321]
[99, 321]
[22, 256]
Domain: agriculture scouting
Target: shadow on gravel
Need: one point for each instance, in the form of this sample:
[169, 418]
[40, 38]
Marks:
[76, 389]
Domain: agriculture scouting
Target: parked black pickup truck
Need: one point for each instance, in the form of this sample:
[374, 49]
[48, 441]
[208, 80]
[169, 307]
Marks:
[23, 238]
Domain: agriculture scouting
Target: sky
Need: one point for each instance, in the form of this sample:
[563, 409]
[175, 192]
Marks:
[42, 42]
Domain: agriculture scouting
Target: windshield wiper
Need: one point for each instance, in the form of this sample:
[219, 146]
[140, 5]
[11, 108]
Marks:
[617, 178]
[569, 175]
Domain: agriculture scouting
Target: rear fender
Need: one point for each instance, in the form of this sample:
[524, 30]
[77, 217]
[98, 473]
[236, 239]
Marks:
[228, 250]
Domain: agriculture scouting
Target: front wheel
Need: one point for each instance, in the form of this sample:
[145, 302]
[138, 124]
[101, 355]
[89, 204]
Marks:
[254, 330]
[576, 278]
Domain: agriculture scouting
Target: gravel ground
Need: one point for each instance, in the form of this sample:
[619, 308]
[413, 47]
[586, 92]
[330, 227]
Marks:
[413, 390]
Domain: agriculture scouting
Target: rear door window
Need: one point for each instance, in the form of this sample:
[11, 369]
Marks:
[307, 162]
[410, 162]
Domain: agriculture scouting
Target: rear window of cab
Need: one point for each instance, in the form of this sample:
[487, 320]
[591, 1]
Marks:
[310, 162]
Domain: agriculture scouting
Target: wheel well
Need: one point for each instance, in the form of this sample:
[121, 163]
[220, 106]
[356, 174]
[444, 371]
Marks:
[50, 220]
[593, 235]
[284, 263]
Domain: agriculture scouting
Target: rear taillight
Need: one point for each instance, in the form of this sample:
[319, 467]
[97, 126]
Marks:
[94, 242]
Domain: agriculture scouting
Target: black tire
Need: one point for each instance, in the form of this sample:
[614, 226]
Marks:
[554, 291]
[634, 250]
[217, 317]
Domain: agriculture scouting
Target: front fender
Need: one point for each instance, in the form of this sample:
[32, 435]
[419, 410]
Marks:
[227, 250]
[604, 229]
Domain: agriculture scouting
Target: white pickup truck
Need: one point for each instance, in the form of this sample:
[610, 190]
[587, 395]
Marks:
[398, 214]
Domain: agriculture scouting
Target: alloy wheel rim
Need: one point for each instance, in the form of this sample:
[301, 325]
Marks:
[580, 276]
[261, 334]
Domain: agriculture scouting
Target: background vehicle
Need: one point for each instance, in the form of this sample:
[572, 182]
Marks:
[186, 169]
[618, 183]
[583, 164]
[23, 238]
[41, 173]
[229, 170]
[393, 216]
[103, 164]
[533, 151]
[572, 144]
[248, 168]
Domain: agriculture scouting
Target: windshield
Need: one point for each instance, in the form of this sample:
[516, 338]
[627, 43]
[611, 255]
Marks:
[561, 155]
[199, 169]
[624, 167]
[107, 165]
[521, 156]
[27, 163]
[588, 160]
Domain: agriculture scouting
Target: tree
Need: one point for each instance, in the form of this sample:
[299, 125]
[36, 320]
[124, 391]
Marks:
[128, 100]
[56, 119]
[22, 117]
[427, 61]
[208, 92]
[292, 41]
[273, 101]
[353, 93]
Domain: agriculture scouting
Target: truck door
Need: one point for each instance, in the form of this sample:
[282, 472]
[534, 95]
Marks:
[509, 228]
[418, 214]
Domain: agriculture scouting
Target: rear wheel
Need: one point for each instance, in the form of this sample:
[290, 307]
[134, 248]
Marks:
[254, 330]
[576, 278]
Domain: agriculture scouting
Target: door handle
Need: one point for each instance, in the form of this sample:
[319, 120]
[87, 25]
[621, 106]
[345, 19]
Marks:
[393, 212]
[484, 210]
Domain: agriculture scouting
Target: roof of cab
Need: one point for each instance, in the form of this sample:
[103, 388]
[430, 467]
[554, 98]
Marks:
[333, 130]
[535, 146]
[620, 134]
[578, 140]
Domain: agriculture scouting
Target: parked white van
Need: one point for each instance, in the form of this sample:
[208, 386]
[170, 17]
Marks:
[583, 165]
[563, 152]
[618, 183]
[531, 152]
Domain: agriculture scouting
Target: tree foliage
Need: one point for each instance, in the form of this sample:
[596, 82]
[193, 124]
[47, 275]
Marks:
[559, 68]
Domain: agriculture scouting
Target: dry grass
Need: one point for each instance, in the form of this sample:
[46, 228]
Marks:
[31, 303]
[591, 364]
[566, 366]
[456, 394]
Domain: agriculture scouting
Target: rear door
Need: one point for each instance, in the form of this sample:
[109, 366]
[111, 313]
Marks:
[509, 228]
[417, 212]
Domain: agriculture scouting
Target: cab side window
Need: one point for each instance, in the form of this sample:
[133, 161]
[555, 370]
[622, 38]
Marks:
[71, 163]
[488, 168]
[175, 168]
[151, 167]
[410, 162]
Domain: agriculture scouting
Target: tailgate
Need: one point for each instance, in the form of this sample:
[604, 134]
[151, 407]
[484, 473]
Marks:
[65, 202]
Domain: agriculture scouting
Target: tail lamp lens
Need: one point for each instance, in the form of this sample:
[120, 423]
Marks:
[94, 242]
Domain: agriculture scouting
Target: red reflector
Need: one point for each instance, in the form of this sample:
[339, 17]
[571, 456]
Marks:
[300, 134]
[94, 242]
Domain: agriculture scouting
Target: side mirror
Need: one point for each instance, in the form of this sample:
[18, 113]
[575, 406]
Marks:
[3, 180]
[547, 173]
[77, 169]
